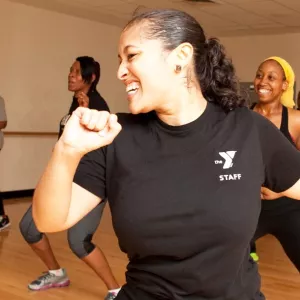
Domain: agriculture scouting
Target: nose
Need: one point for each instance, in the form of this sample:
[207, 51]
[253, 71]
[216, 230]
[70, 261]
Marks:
[263, 80]
[122, 72]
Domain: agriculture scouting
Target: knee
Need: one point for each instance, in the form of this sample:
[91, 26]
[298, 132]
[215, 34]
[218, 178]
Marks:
[80, 246]
[29, 231]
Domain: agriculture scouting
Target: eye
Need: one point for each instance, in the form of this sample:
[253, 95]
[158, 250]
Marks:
[131, 56]
[258, 76]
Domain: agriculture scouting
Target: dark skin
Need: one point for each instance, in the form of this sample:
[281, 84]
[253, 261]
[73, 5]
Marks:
[77, 85]
[269, 84]
[96, 259]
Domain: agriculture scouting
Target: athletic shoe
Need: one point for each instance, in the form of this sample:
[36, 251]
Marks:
[49, 280]
[110, 296]
[4, 222]
[254, 256]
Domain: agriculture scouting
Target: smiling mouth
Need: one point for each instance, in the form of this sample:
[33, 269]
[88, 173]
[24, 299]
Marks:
[132, 88]
[264, 91]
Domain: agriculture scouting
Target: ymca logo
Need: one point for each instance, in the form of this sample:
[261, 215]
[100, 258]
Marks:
[228, 156]
[227, 164]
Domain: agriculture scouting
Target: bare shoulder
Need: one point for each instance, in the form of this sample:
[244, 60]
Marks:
[294, 116]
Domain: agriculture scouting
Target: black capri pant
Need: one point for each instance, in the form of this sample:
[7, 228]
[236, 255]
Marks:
[79, 236]
[281, 218]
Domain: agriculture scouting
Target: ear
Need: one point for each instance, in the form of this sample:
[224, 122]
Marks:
[181, 56]
[93, 78]
[285, 85]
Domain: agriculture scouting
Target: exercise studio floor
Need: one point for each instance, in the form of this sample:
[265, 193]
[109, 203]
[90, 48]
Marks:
[19, 265]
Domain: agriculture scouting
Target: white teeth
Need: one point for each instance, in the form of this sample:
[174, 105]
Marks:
[132, 87]
[263, 91]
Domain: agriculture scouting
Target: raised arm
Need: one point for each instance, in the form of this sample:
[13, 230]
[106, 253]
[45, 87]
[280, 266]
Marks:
[58, 203]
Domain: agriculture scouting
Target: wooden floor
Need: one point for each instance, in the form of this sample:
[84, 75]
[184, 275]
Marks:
[18, 264]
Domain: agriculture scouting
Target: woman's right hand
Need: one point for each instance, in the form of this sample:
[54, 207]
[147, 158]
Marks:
[88, 130]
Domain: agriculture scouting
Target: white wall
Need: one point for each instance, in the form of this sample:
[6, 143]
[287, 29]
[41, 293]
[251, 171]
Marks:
[37, 50]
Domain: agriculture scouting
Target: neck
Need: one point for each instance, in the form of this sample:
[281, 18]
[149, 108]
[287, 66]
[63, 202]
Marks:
[85, 90]
[268, 108]
[184, 108]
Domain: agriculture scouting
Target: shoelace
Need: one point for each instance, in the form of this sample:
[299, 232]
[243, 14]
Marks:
[45, 277]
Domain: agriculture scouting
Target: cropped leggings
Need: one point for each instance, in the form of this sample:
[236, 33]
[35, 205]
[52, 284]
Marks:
[79, 236]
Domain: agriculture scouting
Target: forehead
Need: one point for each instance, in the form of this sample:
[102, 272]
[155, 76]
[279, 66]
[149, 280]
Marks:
[270, 66]
[76, 65]
[132, 36]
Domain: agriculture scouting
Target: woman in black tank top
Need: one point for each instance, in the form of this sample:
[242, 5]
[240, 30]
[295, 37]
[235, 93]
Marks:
[274, 84]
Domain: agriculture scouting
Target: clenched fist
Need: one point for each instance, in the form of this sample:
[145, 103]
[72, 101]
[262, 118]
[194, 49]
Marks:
[89, 129]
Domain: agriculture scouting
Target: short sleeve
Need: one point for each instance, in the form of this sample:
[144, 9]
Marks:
[91, 173]
[2, 110]
[281, 159]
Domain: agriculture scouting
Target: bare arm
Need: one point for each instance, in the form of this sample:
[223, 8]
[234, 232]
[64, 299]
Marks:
[58, 203]
[3, 124]
[293, 192]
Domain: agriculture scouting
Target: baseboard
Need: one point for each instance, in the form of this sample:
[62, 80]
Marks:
[17, 194]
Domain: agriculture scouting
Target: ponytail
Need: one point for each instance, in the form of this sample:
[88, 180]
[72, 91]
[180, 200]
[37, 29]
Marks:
[216, 75]
[97, 73]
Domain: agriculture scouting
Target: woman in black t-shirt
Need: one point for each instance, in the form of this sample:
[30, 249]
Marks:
[83, 79]
[274, 85]
[182, 172]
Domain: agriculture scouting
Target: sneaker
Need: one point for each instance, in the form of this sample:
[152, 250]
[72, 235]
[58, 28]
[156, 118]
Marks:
[4, 222]
[110, 296]
[254, 256]
[49, 280]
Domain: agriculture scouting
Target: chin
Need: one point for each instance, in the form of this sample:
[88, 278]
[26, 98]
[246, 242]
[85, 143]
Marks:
[138, 110]
[134, 110]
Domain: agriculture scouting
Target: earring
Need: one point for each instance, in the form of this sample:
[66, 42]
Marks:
[178, 69]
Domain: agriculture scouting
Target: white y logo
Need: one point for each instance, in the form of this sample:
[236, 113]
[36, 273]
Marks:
[228, 156]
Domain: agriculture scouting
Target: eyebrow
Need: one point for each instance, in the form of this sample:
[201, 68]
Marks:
[126, 48]
[271, 72]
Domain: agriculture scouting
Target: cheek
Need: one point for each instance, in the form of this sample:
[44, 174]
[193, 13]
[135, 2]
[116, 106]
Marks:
[256, 81]
[159, 78]
[80, 82]
[277, 87]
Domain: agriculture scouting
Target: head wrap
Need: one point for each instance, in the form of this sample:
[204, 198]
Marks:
[287, 98]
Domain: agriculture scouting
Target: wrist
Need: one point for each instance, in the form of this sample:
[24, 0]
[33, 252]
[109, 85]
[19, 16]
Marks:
[66, 150]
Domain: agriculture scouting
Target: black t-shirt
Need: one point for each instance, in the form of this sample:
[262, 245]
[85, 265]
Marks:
[95, 102]
[185, 200]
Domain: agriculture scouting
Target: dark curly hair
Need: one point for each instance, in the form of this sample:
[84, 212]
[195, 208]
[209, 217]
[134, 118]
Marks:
[215, 71]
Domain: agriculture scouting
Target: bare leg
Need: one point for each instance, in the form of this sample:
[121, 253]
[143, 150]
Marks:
[97, 261]
[45, 253]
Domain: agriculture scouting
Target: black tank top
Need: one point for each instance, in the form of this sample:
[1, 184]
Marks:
[284, 126]
[284, 204]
